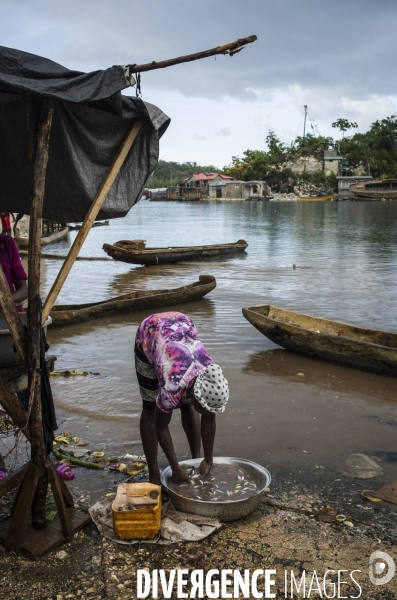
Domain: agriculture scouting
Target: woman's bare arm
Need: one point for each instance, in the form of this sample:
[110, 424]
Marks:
[21, 291]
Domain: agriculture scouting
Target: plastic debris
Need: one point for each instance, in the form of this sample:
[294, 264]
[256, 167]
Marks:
[65, 472]
[114, 466]
[370, 495]
[98, 455]
[62, 440]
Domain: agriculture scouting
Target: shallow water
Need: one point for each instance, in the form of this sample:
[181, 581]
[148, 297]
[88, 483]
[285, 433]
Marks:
[284, 409]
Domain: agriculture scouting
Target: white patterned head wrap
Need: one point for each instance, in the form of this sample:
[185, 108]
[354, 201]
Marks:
[211, 389]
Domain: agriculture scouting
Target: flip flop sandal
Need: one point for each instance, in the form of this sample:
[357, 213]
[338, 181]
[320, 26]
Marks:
[3, 475]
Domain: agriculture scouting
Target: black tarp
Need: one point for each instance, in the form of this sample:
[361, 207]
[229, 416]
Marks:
[91, 118]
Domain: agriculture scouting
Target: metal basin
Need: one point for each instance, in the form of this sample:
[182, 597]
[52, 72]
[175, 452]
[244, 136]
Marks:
[8, 357]
[224, 511]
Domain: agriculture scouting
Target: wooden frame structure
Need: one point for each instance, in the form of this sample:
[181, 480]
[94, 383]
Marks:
[33, 477]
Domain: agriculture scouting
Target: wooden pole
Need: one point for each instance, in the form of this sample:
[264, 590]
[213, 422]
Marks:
[10, 313]
[11, 404]
[229, 49]
[38, 450]
[90, 218]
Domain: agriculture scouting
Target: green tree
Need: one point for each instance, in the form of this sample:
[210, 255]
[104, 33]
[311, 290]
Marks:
[376, 149]
[344, 125]
[167, 171]
[309, 145]
[254, 164]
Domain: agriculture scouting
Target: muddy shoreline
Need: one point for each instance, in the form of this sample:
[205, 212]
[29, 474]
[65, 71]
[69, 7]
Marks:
[298, 417]
[274, 537]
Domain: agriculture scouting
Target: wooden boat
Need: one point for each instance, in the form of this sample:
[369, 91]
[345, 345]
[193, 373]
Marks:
[316, 198]
[135, 252]
[23, 242]
[95, 224]
[375, 190]
[127, 303]
[356, 347]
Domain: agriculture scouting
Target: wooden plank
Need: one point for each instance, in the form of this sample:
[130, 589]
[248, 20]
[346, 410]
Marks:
[21, 509]
[38, 450]
[11, 404]
[10, 313]
[90, 218]
[53, 478]
[67, 496]
[14, 479]
[36, 544]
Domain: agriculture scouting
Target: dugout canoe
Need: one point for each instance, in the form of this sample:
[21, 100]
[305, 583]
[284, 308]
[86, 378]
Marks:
[331, 341]
[23, 242]
[127, 303]
[316, 198]
[126, 252]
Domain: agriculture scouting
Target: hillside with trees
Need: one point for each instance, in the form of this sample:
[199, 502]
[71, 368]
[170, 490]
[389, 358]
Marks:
[170, 173]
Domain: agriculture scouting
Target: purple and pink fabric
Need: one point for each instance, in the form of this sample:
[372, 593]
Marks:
[11, 263]
[172, 346]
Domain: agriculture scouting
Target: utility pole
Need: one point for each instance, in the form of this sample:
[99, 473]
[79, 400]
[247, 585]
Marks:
[304, 123]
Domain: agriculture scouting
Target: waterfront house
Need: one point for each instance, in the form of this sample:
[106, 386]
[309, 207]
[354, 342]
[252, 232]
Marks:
[202, 181]
[255, 189]
[231, 189]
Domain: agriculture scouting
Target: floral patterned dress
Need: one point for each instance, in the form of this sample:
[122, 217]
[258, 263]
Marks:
[171, 345]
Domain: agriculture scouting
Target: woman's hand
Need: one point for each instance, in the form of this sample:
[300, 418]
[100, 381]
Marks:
[205, 468]
[179, 476]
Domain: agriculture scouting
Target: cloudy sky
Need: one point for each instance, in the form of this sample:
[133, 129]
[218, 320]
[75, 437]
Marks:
[337, 57]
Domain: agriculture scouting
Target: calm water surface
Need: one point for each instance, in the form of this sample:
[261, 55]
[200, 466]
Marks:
[346, 269]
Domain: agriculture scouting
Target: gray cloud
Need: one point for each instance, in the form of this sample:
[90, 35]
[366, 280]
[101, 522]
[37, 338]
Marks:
[346, 47]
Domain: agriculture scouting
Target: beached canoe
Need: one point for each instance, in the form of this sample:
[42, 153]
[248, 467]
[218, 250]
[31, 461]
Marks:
[23, 242]
[138, 254]
[316, 198]
[76, 313]
[356, 347]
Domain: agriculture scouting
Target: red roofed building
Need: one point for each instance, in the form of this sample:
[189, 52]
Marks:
[202, 181]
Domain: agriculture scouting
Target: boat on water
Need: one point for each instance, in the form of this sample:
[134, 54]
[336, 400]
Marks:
[135, 252]
[95, 224]
[67, 314]
[321, 197]
[375, 190]
[23, 242]
[331, 341]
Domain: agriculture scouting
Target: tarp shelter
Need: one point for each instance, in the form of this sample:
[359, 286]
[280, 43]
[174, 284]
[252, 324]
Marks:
[71, 149]
[90, 120]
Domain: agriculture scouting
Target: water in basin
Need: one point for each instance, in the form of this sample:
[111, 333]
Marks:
[225, 483]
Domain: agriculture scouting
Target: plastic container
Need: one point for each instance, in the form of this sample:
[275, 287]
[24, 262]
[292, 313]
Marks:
[140, 514]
